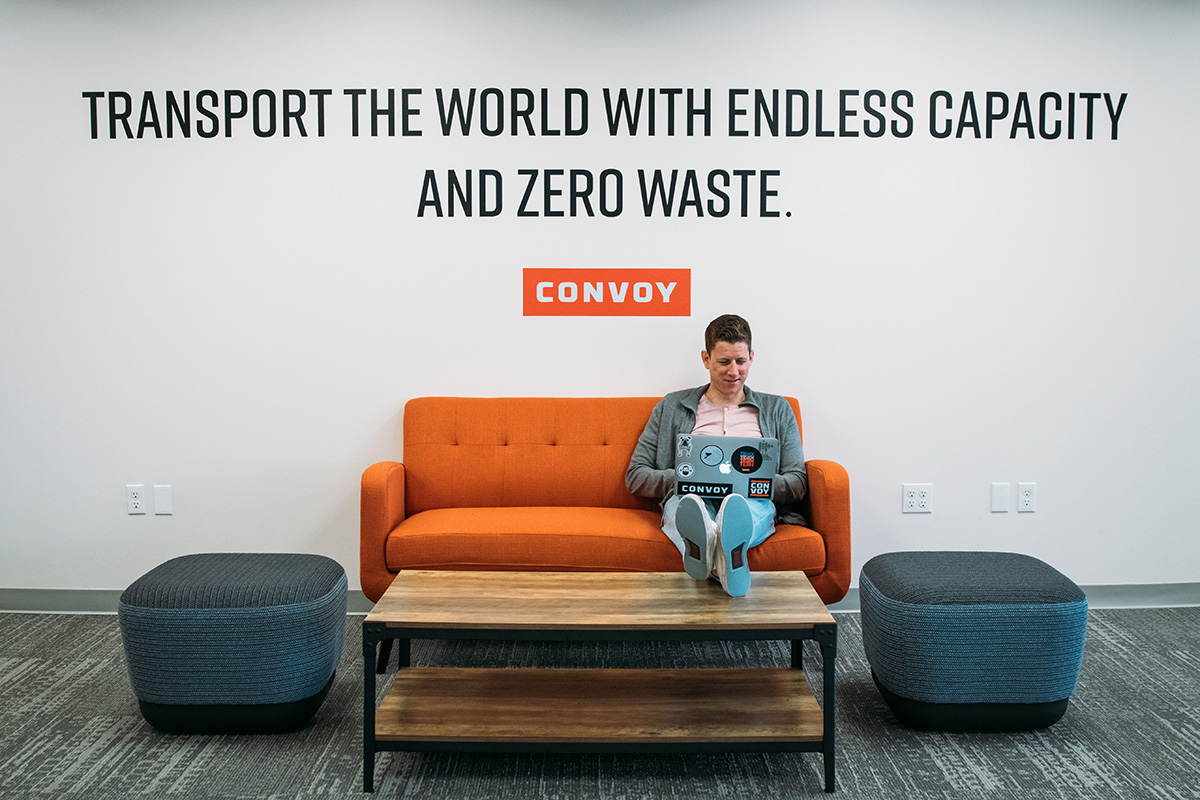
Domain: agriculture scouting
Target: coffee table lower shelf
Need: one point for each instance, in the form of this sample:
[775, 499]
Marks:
[599, 710]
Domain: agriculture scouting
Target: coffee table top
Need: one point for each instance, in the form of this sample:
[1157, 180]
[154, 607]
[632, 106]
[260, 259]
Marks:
[428, 600]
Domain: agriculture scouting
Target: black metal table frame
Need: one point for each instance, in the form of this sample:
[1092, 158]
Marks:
[375, 661]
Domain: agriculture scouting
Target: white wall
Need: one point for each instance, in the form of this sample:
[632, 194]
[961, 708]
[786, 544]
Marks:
[243, 318]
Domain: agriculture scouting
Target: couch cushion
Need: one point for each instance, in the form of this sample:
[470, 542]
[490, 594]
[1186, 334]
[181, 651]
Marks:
[791, 547]
[585, 538]
[549, 537]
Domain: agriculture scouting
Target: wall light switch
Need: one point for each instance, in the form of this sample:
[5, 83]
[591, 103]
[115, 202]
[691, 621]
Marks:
[162, 500]
[1000, 494]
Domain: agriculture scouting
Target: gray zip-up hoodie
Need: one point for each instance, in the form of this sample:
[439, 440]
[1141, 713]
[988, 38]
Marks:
[651, 470]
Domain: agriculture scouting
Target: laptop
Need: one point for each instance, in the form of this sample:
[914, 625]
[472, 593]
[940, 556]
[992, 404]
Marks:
[717, 466]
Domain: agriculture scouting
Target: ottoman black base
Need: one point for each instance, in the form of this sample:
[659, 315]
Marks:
[972, 717]
[218, 718]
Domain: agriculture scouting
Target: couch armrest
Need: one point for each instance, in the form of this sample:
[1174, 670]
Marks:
[829, 515]
[382, 509]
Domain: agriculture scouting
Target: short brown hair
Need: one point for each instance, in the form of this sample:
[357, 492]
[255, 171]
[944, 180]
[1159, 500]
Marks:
[726, 328]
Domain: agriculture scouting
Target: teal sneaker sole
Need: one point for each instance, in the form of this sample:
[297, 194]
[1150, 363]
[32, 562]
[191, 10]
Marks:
[736, 528]
[689, 521]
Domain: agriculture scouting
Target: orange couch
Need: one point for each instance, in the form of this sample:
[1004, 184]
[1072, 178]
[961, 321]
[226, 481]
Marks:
[539, 484]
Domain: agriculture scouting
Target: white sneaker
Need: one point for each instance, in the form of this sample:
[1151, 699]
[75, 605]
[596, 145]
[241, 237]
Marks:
[734, 528]
[697, 530]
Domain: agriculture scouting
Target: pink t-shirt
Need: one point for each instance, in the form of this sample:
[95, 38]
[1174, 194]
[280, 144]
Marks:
[712, 420]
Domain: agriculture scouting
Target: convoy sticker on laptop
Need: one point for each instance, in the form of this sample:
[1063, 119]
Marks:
[717, 466]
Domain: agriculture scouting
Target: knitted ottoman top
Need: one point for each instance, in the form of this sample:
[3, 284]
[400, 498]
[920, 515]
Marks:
[235, 580]
[969, 578]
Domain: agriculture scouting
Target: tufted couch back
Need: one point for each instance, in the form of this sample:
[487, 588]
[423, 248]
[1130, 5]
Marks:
[462, 452]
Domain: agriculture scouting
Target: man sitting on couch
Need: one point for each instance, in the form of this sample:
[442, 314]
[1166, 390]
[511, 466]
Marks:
[714, 538]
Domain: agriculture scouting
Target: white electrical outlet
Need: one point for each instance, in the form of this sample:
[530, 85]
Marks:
[918, 498]
[1026, 497]
[135, 498]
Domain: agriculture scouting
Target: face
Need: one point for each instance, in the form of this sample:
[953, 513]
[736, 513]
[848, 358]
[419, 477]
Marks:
[728, 366]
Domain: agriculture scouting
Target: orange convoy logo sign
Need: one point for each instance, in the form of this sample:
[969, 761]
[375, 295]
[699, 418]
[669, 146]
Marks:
[607, 292]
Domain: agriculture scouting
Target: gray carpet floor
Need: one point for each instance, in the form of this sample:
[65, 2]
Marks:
[70, 727]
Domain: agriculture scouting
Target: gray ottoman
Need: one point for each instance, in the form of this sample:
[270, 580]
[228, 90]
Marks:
[234, 642]
[972, 640]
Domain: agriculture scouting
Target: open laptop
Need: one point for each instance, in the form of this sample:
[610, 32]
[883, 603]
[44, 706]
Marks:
[717, 466]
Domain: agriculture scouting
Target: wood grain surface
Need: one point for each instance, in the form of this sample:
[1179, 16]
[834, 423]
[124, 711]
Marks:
[600, 705]
[595, 601]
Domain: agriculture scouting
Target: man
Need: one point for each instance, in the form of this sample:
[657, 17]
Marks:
[714, 539]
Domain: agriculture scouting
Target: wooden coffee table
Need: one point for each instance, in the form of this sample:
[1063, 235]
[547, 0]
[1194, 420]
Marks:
[596, 710]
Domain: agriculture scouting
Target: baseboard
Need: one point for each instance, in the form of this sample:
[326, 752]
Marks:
[1141, 595]
[104, 601]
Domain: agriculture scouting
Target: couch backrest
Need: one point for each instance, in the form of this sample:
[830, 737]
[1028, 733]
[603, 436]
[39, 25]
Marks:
[526, 451]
